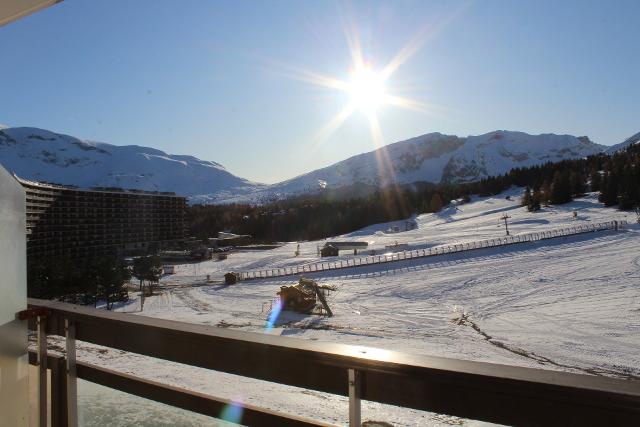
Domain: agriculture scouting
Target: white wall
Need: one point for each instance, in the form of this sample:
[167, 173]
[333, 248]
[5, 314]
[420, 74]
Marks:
[14, 404]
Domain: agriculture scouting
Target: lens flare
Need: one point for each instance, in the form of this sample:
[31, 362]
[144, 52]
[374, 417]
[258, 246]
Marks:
[276, 308]
[232, 412]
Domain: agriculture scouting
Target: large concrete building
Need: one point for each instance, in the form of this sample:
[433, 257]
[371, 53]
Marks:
[66, 221]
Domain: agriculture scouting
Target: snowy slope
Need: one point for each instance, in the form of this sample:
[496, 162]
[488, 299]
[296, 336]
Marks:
[569, 304]
[41, 155]
[627, 142]
[437, 158]
[498, 152]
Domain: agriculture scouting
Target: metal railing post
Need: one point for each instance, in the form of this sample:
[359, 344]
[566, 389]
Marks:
[42, 370]
[355, 391]
[72, 383]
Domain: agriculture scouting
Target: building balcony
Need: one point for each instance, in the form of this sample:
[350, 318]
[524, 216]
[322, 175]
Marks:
[481, 391]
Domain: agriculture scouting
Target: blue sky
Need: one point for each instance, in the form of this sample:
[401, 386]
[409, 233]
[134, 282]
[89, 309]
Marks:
[213, 78]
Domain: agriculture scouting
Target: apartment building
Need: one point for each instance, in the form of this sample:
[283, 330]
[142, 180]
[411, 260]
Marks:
[79, 223]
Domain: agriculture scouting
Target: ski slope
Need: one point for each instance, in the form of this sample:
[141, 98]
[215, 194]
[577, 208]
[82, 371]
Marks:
[570, 304]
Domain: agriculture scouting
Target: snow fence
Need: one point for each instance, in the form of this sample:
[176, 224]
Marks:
[435, 251]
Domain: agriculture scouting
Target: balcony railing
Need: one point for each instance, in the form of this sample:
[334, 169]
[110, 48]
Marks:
[482, 391]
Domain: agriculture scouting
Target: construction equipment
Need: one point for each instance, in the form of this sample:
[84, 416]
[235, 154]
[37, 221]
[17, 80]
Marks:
[304, 297]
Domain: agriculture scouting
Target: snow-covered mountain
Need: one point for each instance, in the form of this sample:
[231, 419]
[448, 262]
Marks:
[46, 156]
[436, 158]
[42, 155]
[635, 139]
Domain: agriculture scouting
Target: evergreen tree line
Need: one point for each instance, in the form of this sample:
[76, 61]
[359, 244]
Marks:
[310, 217]
[88, 281]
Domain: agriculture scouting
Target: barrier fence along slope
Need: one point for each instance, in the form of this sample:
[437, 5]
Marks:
[423, 253]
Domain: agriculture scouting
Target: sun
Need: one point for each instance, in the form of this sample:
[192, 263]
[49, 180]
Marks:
[367, 91]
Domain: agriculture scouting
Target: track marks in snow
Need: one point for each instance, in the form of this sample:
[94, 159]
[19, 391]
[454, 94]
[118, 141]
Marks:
[190, 301]
[621, 372]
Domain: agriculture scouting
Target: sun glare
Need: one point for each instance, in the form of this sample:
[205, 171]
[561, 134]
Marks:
[367, 91]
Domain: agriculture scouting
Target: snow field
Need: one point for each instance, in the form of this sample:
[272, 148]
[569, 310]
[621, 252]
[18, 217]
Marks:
[570, 304]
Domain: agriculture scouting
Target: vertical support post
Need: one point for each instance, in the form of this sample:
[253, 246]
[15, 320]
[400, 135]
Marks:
[72, 383]
[59, 393]
[355, 391]
[42, 370]
[141, 295]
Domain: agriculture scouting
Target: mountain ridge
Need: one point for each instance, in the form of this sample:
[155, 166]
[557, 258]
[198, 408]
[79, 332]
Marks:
[42, 155]
[39, 154]
[437, 157]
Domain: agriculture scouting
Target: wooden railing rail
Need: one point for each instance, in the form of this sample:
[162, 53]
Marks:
[170, 395]
[477, 390]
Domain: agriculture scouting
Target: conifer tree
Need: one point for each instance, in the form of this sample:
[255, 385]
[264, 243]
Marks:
[577, 183]
[534, 206]
[545, 192]
[560, 188]
[436, 203]
[595, 180]
[526, 197]
[609, 190]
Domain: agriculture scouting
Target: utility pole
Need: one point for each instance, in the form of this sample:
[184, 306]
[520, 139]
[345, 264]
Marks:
[505, 217]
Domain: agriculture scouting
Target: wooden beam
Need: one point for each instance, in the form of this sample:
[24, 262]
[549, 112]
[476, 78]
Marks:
[170, 395]
[58, 368]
